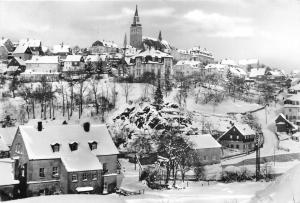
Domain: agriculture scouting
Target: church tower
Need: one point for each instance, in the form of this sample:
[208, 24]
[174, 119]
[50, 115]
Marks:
[136, 31]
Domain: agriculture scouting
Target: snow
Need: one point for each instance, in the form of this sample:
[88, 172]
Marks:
[72, 198]
[153, 53]
[71, 58]
[61, 48]
[204, 141]
[84, 189]
[30, 42]
[186, 62]
[255, 72]
[285, 189]
[38, 148]
[6, 175]
[92, 58]
[43, 59]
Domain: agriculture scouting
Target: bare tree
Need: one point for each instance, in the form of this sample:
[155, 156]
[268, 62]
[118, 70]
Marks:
[127, 88]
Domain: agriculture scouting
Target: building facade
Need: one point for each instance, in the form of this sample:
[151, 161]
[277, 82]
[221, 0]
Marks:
[240, 137]
[73, 63]
[292, 109]
[65, 159]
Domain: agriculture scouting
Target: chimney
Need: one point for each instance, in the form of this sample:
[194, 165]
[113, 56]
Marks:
[86, 126]
[40, 126]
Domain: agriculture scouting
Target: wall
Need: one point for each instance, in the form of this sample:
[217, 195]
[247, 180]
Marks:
[213, 155]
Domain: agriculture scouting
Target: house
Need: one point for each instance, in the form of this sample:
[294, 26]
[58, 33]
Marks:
[61, 50]
[35, 45]
[194, 54]
[23, 52]
[8, 44]
[73, 64]
[291, 109]
[257, 74]
[151, 60]
[65, 158]
[187, 68]
[42, 66]
[207, 148]
[284, 125]
[15, 66]
[103, 46]
[6, 138]
[248, 64]
[239, 136]
[7, 179]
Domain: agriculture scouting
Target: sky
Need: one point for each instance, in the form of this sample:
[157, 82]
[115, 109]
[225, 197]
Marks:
[237, 29]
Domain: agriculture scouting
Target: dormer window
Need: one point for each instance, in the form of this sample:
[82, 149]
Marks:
[93, 145]
[55, 147]
[73, 146]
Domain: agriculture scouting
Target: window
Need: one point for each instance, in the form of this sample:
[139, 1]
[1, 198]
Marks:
[237, 137]
[73, 146]
[42, 172]
[84, 176]
[74, 178]
[55, 147]
[18, 148]
[204, 158]
[93, 145]
[230, 136]
[237, 146]
[94, 176]
[55, 171]
[104, 166]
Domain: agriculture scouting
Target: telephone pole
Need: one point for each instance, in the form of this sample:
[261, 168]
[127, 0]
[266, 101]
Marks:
[257, 148]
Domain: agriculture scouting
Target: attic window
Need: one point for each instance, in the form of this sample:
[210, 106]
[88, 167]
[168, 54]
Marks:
[73, 146]
[93, 145]
[55, 147]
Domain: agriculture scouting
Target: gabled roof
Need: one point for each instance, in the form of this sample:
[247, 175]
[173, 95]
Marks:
[295, 97]
[38, 143]
[203, 141]
[44, 59]
[73, 58]
[286, 120]
[8, 134]
[257, 72]
[244, 129]
[21, 49]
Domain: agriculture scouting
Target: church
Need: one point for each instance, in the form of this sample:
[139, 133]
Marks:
[153, 55]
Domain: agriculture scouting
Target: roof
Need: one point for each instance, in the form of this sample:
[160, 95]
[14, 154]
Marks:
[71, 58]
[61, 48]
[289, 122]
[21, 49]
[237, 71]
[204, 141]
[244, 129]
[30, 42]
[38, 143]
[6, 175]
[153, 53]
[44, 59]
[8, 134]
[257, 72]
[295, 97]
[296, 87]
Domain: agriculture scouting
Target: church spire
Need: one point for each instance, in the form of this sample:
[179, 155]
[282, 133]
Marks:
[136, 18]
[125, 41]
[159, 36]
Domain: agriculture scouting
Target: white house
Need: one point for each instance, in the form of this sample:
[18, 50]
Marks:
[187, 68]
[73, 63]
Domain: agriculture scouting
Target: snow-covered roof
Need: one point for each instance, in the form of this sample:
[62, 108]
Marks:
[276, 72]
[109, 44]
[237, 71]
[228, 62]
[38, 143]
[257, 72]
[3, 40]
[30, 42]
[188, 62]
[44, 59]
[21, 49]
[163, 42]
[61, 48]
[153, 53]
[245, 62]
[6, 175]
[92, 58]
[73, 58]
[296, 87]
[7, 135]
[292, 124]
[244, 129]
[20, 61]
[203, 141]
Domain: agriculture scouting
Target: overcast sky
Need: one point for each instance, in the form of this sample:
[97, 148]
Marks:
[265, 29]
